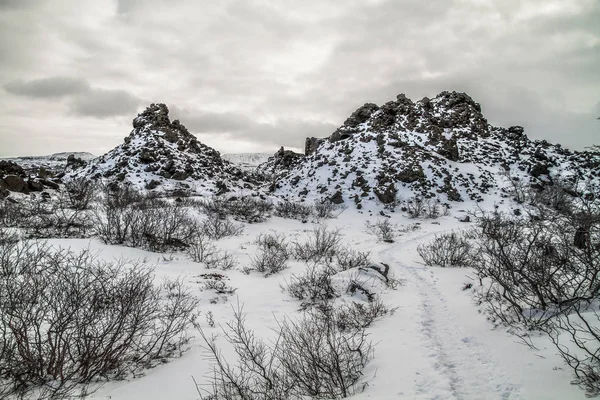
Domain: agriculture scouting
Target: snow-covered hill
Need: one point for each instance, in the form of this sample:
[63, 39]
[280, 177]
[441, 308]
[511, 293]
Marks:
[441, 147]
[161, 154]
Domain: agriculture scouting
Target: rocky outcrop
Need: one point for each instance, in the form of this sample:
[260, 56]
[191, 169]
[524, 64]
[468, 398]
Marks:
[311, 144]
[160, 154]
[441, 147]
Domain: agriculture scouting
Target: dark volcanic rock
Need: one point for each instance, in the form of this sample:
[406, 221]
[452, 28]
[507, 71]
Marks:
[10, 168]
[163, 154]
[441, 147]
[16, 183]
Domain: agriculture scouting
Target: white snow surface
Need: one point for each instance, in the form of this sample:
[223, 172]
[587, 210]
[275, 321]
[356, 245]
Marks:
[437, 344]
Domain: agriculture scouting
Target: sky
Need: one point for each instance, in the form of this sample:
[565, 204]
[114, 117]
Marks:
[254, 75]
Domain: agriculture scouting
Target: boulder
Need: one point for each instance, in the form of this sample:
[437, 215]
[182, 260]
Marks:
[34, 186]
[361, 115]
[10, 168]
[337, 198]
[311, 144]
[16, 184]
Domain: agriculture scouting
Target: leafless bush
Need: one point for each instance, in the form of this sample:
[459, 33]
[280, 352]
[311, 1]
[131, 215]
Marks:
[544, 274]
[314, 287]
[201, 249]
[383, 229]
[311, 357]
[447, 250]
[322, 244]
[357, 315]
[576, 336]
[293, 210]
[326, 209]
[150, 223]
[10, 214]
[272, 254]
[67, 318]
[248, 209]
[53, 218]
[420, 207]
[80, 193]
[216, 282]
[217, 228]
[349, 258]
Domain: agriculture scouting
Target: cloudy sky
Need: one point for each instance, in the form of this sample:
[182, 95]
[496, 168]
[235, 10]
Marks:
[252, 75]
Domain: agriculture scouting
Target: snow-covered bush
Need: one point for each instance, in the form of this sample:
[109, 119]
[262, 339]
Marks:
[216, 227]
[312, 358]
[314, 287]
[447, 250]
[124, 216]
[420, 207]
[384, 230]
[53, 218]
[348, 258]
[293, 210]
[80, 193]
[326, 209]
[272, 254]
[201, 249]
[544, 274]
[322, 244]
[247, 209]
[68, 318]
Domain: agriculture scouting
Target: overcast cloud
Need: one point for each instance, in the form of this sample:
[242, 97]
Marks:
[253, 75]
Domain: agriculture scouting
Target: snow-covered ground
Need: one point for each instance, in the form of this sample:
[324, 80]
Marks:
[436, 345]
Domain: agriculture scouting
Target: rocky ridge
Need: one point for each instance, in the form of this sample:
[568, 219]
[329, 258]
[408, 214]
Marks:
[160, 154]
[442, 147]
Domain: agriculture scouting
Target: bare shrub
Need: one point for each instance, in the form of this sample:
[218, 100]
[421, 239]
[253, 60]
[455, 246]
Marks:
[53, 218]
[357, 315]
[68, 318]
[216, 227]
[544, 274]
[326, 209]
[124, 217]
[311, 357]
[272, 254]
[80, 193]
[314, 287]
[447, 250]
[349, 258]
[201, 249]
[322, 244]
[216, 282]
[323, 360]
[420, 207]
[10, 214]
[247, 209]
[383, 229]
[293, 210]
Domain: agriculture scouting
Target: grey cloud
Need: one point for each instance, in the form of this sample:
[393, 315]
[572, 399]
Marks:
[125, 6]
[58, 86]
[304, 66]
[102, 103]
[16, 3]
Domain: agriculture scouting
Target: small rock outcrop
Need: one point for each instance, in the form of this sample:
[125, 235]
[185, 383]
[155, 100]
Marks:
[160, 154]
